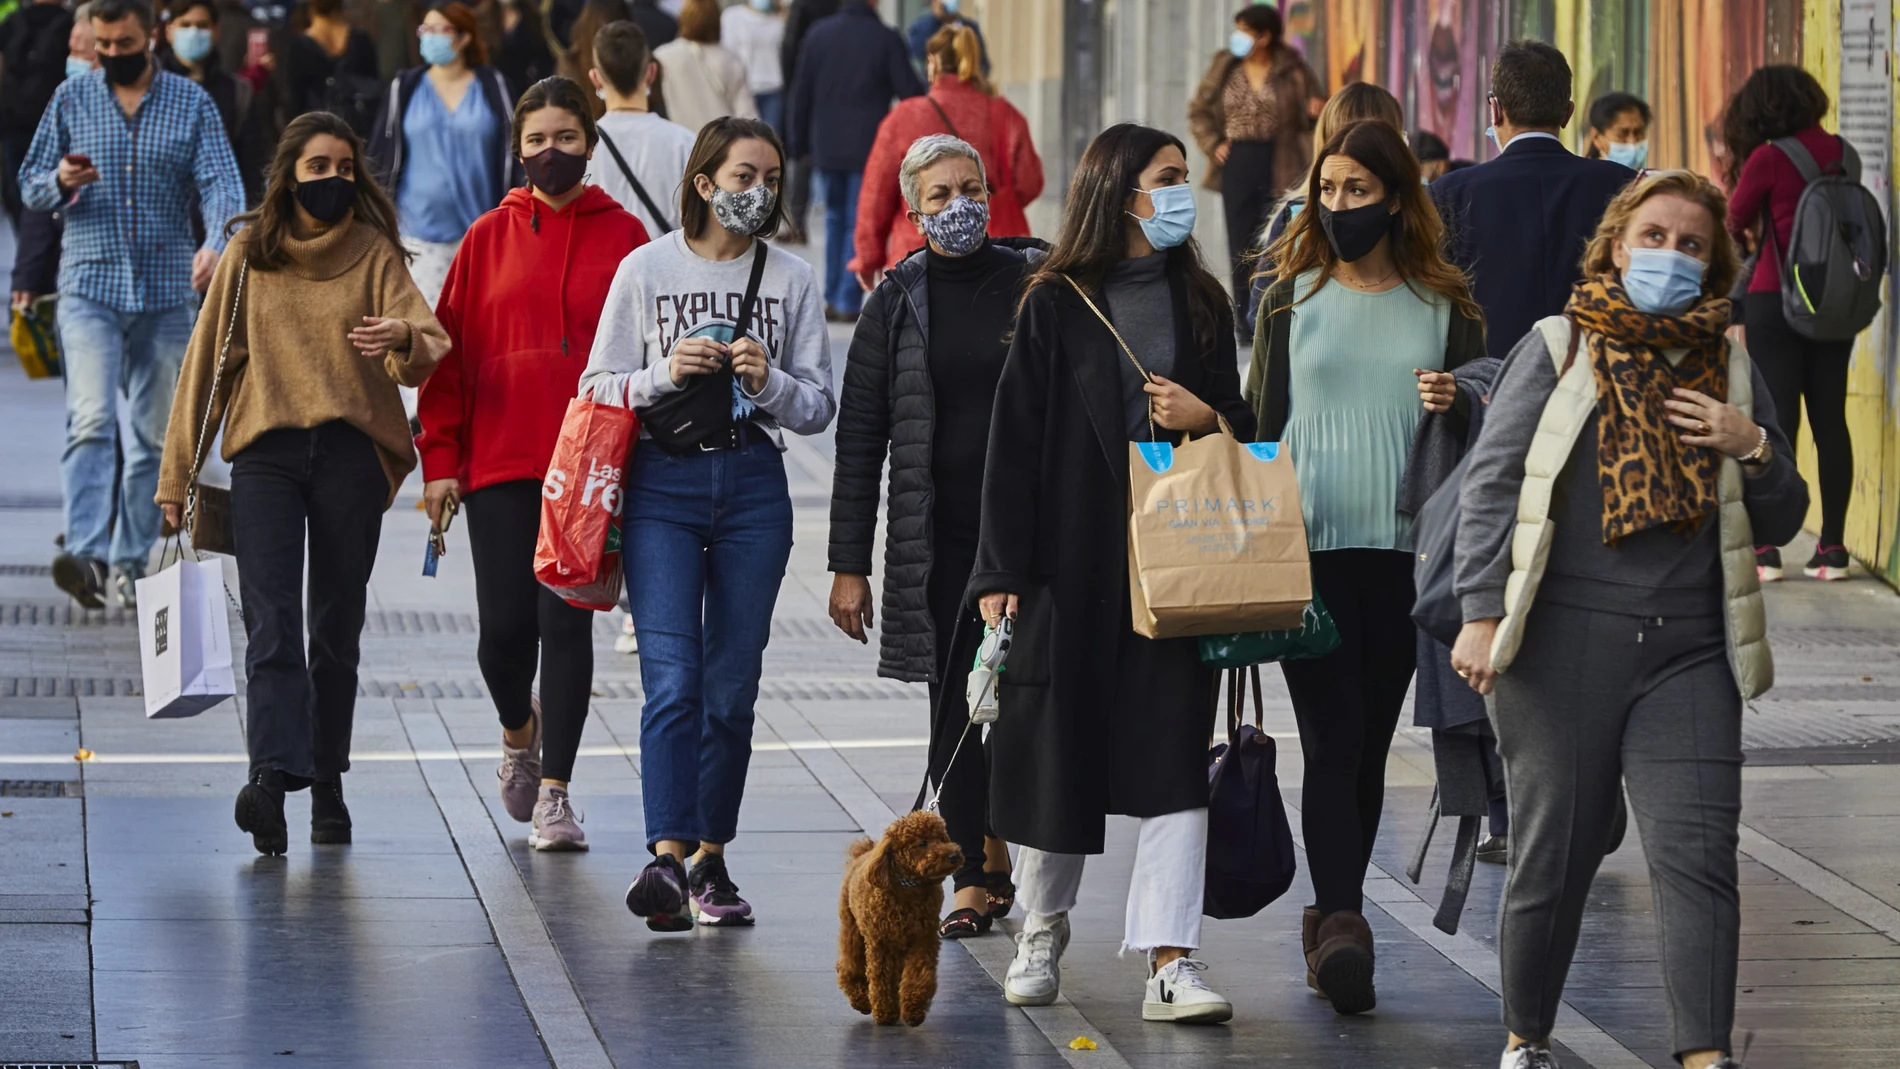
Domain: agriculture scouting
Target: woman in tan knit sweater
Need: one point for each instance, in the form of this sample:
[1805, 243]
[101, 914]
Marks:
[323, 322]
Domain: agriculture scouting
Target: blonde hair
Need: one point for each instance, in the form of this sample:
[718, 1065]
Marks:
[958, 52]
[1724, 263]
[1355, 102]
[699, 21]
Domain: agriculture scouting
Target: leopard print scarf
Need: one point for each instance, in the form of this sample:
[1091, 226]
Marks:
[1649, 477]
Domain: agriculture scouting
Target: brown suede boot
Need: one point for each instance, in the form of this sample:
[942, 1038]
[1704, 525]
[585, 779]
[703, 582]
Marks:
[1344, 962]
[1309, 942]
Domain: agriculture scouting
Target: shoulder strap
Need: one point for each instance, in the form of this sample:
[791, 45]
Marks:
[751, 290]
[659, 217]
[1153, 436]
[1850, 160]
[1803, 159]
[945, 116]
[211, 397]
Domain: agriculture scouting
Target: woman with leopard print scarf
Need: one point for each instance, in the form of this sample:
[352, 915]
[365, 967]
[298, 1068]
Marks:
[1621, 499]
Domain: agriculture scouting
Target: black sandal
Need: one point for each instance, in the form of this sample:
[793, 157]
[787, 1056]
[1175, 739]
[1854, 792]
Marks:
[964, 923]
[1001, 893]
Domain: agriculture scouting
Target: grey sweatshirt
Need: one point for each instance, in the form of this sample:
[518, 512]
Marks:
[664, 291]
[1657, 572]
[1138, 300]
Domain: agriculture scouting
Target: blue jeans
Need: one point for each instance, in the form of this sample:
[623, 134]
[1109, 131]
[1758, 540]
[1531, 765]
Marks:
[706, 538]
[840, 190]
[108, 351]
[772, 109]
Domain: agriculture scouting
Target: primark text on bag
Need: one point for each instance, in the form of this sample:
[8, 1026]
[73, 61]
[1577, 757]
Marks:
[184, 639]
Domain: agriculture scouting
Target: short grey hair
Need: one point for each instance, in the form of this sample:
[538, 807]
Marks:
[928, 151]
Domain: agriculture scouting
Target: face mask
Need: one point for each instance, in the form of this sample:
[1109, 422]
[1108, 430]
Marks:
[1240, 43]
[1355, 231]
[326, 199]
[438, 49]
[743, 213]
[123, 69]
[1663, 282]
[76, 67]
[959, 228]
[1492, 133]
[1631, 154]
[761, 5]
[555, 172]
[191, 43]
[950, 6]
[1173, 220]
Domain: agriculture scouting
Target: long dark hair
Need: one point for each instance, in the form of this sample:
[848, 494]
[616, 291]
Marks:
[269, 223]
[1777, 101]
[1094, 236]
[1419, 234]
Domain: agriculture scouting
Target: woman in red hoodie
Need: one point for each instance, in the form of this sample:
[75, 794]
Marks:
[521, 305]
[960, 104]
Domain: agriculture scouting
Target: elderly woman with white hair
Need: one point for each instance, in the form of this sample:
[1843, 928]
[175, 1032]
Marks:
[919, 386]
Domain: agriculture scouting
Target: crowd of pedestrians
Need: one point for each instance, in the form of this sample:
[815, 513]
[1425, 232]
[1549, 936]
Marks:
[263, 234]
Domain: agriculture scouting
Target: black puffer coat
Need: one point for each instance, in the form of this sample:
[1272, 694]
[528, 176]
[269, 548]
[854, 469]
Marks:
[888, 408]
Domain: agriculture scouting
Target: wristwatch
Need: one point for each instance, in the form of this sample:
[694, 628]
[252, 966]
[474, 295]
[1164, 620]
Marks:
[1760, 455]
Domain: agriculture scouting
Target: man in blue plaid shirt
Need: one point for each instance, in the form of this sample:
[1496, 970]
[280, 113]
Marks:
[120, 151]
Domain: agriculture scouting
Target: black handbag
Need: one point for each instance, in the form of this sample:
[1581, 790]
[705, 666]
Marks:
[1249, 843]
[699, 415]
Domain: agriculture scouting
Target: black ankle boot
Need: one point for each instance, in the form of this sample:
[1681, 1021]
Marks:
[329, 817]
[260, 811]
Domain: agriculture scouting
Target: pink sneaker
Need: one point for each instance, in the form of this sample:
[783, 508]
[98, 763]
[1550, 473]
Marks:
[520, 773]
[557, 824]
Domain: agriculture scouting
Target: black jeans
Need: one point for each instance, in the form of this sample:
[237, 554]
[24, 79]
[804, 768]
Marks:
[1248, 195]
[1798, 368]
[327, 481]
[523, 621]
[1347, 704]
[964, 788]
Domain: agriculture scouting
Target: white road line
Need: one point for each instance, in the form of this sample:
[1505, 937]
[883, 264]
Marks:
[1060, 1022]
[539, 972]
[1822, 883]
[439, 755]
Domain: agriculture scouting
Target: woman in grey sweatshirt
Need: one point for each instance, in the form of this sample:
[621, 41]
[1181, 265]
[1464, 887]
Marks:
[1624, 444]
[707, 532]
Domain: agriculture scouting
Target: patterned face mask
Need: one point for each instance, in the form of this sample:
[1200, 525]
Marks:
[959, 227]
[745, 212]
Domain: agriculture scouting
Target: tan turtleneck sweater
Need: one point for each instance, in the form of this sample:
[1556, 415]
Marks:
[291, 363]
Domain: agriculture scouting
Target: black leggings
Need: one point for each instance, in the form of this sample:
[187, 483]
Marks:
[520, 618]
[1347, 704]
[964, 788]
[1248, 195]
[1798, 368]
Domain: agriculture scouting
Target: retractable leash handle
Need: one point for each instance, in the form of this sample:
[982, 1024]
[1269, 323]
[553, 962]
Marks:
[980, 691]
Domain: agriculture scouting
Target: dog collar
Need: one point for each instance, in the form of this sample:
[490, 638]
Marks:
[905, 882]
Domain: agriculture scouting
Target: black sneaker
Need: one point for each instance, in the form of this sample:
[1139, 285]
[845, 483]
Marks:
[1495, 850]
[1828, 564]
[329, 817]
[1768, 564]
[716, 902]
[260, 811]
[659, 895]
[84, 578]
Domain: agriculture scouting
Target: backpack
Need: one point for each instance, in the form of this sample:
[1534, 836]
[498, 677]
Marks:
[1837, 251]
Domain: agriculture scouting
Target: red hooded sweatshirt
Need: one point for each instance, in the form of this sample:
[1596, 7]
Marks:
[521, 305]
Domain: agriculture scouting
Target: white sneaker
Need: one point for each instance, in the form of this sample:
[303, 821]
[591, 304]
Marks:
[626, 641]
[1177, 993]
[1035, 976]
[1528, 1057]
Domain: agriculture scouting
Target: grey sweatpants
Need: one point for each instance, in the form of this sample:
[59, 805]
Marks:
[1594, 700]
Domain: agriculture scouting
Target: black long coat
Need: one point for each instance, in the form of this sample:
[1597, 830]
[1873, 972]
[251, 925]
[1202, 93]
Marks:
[1095, 719]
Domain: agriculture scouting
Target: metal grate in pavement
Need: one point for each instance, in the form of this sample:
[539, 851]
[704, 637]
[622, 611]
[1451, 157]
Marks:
[26, 569]
[68, 687]
[41, 788]
[1775, 724]
[1855, 638]
[69, 1065]
[62, 614]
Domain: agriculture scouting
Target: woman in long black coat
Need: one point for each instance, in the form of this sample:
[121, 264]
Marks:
[1095, 719]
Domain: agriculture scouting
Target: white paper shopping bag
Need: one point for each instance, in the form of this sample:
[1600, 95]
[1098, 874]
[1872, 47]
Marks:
[184, 639]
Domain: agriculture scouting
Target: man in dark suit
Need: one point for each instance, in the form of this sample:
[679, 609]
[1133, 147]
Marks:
[1518, 224]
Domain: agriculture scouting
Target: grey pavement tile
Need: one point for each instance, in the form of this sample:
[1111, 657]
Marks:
[190, 827]
[45, 990]
[39, 708]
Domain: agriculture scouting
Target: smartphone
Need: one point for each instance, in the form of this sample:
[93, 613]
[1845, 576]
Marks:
[432, 554]
[78, 160]
[256, 47]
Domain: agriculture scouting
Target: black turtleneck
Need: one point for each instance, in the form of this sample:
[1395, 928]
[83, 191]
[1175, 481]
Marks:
[972, 307]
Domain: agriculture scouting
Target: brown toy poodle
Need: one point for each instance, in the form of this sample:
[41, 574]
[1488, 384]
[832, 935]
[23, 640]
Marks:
[887, 918]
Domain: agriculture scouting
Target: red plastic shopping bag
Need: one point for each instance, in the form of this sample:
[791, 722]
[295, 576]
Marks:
[578, 552]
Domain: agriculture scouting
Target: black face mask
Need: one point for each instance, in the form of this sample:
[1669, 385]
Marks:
[555, 172]
[123, 69]
[327, 199]
[1356, 231]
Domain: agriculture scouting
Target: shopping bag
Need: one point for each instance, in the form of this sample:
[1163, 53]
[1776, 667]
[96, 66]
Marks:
[577, 554]
[35, 340]
[1216, 542]
[1249, 842]
[1316, 636]
[184, 639]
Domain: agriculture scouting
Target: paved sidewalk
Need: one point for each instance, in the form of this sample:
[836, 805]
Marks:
[137, 923]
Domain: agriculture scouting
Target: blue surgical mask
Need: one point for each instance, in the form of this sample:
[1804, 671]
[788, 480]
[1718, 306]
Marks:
[950, 6]
[761, 5]
[1663, 282]
[1240, 43]
[1492, 133]
[191, 43]
[1631, 154]
[76, 67]
[438, 49]
[1173, 220]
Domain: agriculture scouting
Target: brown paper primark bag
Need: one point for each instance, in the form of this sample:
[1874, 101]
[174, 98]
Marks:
[1216, 542]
